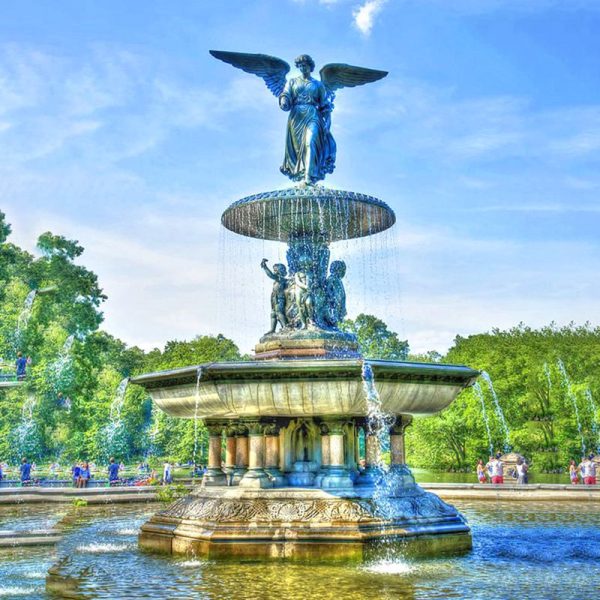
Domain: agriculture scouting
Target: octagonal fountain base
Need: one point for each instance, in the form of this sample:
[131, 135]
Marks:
[305, 524]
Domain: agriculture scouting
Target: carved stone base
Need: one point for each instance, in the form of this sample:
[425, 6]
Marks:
[307, 343]
[293, 523]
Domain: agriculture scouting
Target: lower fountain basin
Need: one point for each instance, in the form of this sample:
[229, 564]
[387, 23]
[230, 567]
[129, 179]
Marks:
[304, 524]
[304, 388]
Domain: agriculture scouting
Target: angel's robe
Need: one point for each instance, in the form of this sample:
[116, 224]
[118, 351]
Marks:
[310, 147]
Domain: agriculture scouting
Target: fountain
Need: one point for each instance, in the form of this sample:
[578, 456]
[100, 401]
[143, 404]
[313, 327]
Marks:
[481, 398]
[113, 432]
[288, 422]
[573, 399]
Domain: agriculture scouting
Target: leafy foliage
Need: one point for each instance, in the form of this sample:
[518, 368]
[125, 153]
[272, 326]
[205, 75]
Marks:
[375, 339]
[522, 363]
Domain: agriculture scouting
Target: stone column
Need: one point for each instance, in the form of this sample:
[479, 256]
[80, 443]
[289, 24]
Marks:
[241, 454]
[402, 475]
[272, 455]
[397, 448]
[214, 474]
[372, 472]
[230, 452]
[338, 475]
[256, 477]
[325, 455]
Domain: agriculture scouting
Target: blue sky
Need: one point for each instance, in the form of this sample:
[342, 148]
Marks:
[118, 129]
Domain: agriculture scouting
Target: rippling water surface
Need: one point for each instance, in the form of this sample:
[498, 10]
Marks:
[521, 550]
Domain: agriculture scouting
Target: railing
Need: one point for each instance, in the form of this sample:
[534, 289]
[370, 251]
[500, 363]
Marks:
[10, 377]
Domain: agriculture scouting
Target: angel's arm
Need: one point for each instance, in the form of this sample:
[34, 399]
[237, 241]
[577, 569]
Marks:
[285, 99]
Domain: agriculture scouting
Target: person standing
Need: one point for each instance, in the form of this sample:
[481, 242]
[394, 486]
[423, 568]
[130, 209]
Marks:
[21, 366]
[113, 472]
[25, 471]
[497, 470]
[588, 470]
[481, 476]
[167, 473]
[522, 469]
[573, 473]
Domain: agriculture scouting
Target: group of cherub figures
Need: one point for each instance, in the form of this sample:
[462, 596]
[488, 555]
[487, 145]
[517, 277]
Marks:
[303, 300]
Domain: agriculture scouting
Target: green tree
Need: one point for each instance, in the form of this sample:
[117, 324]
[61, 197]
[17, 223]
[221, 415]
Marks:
[375, 340]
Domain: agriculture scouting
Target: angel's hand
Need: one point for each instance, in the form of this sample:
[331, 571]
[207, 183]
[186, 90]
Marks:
[284, 103]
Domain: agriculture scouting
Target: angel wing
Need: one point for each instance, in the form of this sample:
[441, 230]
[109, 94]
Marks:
[272, 69]
[338, 75]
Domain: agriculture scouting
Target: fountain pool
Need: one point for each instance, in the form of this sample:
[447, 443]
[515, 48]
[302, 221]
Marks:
[520, 550]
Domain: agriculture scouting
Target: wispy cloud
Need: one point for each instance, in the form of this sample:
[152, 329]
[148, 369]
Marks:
[365, 15]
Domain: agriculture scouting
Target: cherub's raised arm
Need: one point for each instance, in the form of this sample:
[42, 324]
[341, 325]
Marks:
[263, 266]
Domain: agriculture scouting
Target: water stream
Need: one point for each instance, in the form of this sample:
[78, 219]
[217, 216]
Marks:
[499, 412]
[24, 317]
[594, 418]
[196, 402]
[479, 393]
[26, 434]
[115, 429]
[573, 399]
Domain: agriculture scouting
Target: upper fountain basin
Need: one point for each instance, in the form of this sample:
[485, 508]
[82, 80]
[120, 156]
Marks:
[309, 211]
[303, 388]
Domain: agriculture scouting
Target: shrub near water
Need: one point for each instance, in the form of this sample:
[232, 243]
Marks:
[170, 493]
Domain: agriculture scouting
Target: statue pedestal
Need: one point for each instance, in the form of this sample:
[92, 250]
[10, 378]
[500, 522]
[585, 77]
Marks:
[306, 343]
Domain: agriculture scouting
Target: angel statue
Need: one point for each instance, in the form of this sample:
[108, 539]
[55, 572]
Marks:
[310, 147]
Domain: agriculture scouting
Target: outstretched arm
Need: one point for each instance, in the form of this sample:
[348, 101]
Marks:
[263, 266]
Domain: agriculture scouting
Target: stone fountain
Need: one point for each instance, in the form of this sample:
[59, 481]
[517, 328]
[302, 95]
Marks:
[285, 474]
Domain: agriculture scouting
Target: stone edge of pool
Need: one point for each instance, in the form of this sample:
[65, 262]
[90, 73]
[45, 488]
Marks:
[447, 491]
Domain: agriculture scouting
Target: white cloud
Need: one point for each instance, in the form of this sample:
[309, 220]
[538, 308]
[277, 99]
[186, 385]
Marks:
[365, 15]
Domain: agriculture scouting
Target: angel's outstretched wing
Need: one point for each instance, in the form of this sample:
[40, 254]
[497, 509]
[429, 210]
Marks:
[272, 69]
[337, 75]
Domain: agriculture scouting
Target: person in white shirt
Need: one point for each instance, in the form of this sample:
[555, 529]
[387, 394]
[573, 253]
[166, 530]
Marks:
[497, 470]
[588, 470]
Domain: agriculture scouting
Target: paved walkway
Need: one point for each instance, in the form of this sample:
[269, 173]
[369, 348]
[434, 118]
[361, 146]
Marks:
[511, 491]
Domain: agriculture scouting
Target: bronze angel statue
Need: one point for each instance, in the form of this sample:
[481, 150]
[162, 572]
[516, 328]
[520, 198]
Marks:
[310, 148]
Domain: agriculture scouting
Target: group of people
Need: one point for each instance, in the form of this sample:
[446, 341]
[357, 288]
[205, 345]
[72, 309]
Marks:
[493, 471]
[81, 474]
[586, 470]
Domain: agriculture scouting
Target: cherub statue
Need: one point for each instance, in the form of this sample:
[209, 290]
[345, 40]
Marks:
[310, 148]
[336, 294]
[303, 299]
[279, 276]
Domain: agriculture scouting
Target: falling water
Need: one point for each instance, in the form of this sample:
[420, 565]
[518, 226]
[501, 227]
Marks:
[593, 410]
[498, 410]
[548, 376]
[26, 433]
[196, 401]
[24, 317]
[60, 370]
[479, 394]
[114, 430]
[573, 399]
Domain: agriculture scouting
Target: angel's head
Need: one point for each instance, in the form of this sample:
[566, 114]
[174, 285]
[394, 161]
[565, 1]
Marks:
[305, 63]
